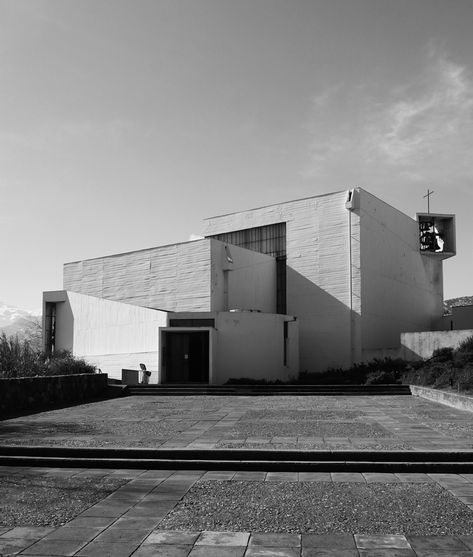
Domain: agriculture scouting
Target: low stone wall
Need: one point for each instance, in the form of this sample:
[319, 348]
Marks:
[460, 402]
[41, 392]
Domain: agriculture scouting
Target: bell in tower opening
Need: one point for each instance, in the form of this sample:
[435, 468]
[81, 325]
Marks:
[437, 234]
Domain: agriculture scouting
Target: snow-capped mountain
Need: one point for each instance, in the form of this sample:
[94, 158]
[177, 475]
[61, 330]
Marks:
[19, 322]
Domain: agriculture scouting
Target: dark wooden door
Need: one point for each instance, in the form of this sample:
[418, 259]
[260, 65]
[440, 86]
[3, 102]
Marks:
[187, 357]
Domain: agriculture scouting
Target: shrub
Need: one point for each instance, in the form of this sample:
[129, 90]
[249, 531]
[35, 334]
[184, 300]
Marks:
[20, 359]
[466, 345]
[443, 354]
[64, 363]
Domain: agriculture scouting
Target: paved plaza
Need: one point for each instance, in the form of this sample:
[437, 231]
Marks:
[162, 512]
[128, 521]
[272, 423]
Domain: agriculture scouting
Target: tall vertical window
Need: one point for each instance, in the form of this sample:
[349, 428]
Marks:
[50, 328]
[270, 240]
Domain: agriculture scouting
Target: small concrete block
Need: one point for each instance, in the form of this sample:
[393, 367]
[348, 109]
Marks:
[389, 552]
[268, 551]
[329, 541]
[95, 549]
[223, 538]
[347, 477]
[97, 510]
[115, 535]
[325, 552]
[55, 547]
[246, 476]
[413, 478]
[443, 553]
[428, 543]
[11, 546]
[90, 522]
[216, 551]
[27, 532]
[165, 537]
[282, 477]
[467, 540]
[381, 541]
[136, 522]
[154, 550]
[375, 477]
[275, 540]
[315, 477]
[81, 534]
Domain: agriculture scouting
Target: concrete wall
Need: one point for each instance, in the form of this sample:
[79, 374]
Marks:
[323, 277]
[247, 282]
[181, 277]
[401, 290]
[251, 345]
[173, 278]
[454, 400]
[247, 344]
[109, 335]
[421, 345]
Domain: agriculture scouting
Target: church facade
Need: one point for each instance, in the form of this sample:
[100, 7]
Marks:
[304, 285]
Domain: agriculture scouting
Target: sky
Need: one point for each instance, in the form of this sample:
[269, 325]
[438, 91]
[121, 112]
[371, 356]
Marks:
[123, 124]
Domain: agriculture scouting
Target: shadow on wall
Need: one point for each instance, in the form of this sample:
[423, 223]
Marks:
[418, 346]
[329, 331]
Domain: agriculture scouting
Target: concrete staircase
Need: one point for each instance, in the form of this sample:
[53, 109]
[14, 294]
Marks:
[268, 390]
[455, 462]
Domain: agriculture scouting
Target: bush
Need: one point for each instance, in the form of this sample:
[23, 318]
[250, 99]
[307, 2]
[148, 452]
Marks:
[64, 363]
[466, 345]
[20, 359]
[443, 354]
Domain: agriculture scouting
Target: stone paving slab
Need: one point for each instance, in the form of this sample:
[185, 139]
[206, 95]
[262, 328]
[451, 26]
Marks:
[125, 534]
[319, 423]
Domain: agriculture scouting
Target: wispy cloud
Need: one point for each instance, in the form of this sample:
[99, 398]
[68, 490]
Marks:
[422, 130]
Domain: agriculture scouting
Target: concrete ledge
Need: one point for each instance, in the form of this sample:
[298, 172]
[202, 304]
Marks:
[461, 402]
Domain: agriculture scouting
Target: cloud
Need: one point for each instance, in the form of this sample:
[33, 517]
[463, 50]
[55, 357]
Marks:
[422, 131]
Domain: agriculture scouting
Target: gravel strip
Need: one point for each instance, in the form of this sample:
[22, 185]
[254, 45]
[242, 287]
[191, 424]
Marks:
[307, 428]
[296, 415]
[38, 500]
[377, 508]
[384, 445]
[136, 433]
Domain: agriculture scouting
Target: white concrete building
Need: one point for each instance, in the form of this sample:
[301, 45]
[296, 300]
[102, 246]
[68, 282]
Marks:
[304, 285]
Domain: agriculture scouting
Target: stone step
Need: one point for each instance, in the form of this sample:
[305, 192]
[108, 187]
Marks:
[269, 390]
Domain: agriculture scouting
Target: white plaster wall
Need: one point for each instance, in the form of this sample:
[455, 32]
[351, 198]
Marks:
[172, 278]
[401, 290]
[319, 290]
[251, 279]
[422, 344]
[251, 345]
[110, 335]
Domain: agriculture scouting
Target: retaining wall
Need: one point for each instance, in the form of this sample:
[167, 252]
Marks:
[421, 345]
[41, 392]
[443, 397]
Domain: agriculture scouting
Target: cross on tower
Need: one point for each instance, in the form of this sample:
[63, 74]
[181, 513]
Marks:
[429, 193]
